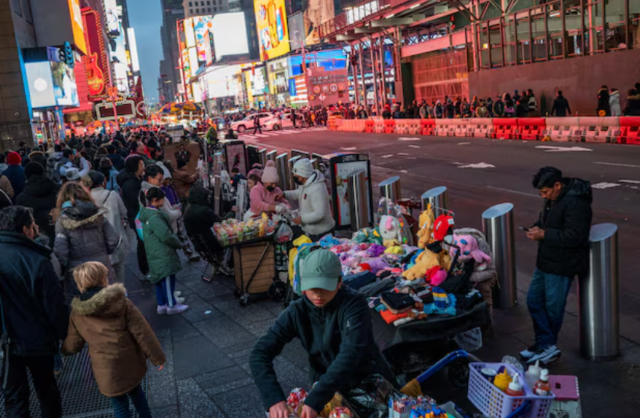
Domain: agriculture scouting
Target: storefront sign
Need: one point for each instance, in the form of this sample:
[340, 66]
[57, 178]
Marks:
[326, 88]
[96, 61]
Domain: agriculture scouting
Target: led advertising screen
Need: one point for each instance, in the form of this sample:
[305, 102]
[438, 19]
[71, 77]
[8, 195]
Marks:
[271, 22]
[230, 34]
[77, 25]
[64, 84]
[40, 84]
[314, 13]
[296, 31]
[202, 27]
[190, 37]
[330, 60]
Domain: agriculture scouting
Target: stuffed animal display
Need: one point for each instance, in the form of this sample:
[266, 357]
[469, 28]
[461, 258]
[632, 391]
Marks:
[426, 220]
[425, 261]
[469, 250]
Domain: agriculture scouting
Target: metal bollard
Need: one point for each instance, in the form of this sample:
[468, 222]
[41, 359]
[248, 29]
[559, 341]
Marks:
[438, 199]
[262, 156]
[390, 188]
[271, 155]
[598, 293]
[253, 153]
[301, 154]
[217, 193]
[497, 222]
[292, 162]
[218, 163]
[358, 200]
[316, 164]
[282, 165]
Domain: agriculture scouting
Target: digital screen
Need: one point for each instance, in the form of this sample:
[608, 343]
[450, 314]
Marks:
[202, 27]
[113, 22]
[77, 25]
[221, 81]
[193, 61]
[64, 84]
[40, 84]
[190, 37]
[230, 34]
[296, 31]
[330, 60]
[133, 45]
[259, 81]
[272, 26]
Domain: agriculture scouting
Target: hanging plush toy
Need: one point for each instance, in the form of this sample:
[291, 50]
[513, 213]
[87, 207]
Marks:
[469, 250]
[426, 221]
[390, 231]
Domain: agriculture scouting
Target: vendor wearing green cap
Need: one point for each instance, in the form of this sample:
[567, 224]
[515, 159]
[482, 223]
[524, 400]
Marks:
[334, 325]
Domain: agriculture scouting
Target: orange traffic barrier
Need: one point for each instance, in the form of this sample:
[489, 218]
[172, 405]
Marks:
[629, 130]
[370, 126]
[531, 128]
[598, 129]
[389, 126]
[427, 126]
[505, 128]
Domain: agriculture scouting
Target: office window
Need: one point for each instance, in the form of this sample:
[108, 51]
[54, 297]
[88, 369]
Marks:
[209, 3]
[197, 11]
[190, 4]
[190, 11]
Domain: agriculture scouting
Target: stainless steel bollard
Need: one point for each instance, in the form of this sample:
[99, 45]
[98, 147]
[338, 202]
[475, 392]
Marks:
[497, 223]
[390, 188]
[316, 164]
[262, 156]
[358, 200]
[598, 296]
[282, 164]
[218, 163]
[301, 154]
[271, 155]
[438, 199]
[292, 162]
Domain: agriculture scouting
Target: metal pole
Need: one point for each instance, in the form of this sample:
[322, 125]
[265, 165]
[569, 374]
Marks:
[354, 71]
[564, 29]
[375, 78]
[437, 197]
[358, 200]
[390, 188]
[262, 156]
[497, 223]
[364, 85]
[626, 23]
[282, 165]
[598, 293]
[271, 155]
[292, 162]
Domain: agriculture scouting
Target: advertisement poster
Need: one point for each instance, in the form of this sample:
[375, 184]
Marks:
[326, 87]
[342, 166]
[316, 12]
[230, 34]
[235, 156]
[64, 84]
[40, 84]
[202, 26]
[77, 25]
[296, 31]
[271, 22]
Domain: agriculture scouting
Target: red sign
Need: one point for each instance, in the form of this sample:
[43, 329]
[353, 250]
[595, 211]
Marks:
[96, 61]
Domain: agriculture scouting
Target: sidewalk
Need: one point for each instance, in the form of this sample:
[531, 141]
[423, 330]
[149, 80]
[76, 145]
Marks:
[207, 372]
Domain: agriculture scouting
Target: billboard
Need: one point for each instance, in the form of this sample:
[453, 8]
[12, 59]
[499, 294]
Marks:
[330, 60]
[96, 61]
[296, 31]
[271, 23]
[327, 87]
[40, 83]
[111, 17]
[202, 28]
[314, 13]
[230, 34]
[77, 25]
[64, 84]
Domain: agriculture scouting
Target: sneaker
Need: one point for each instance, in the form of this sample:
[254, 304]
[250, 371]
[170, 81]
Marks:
[145, 278]
[194, 257]
[529, 352]
[177, 293]
[178, 309]
[179, 300]
[545, 355]
[161, 309]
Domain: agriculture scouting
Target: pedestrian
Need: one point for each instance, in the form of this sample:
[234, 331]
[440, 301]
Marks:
[40, 194]
[386, 114]
[438, 110]
[82, 233]
[516, 95]
[266, 196]
[457, 107]
[293, 117]
[560, 105]
[315, 217]
[35, 317]
[120, 339]
[603, 108]
[73, 161]
[116, 159]
[632, 107]
[562, 233]
[53, 161]
[115, 213]
[423, 113]
[106, 168]
[614, 102]
[532, 104]
[449, 109]
[256, 124]
[130, 182]
[509, 106]
[15, 173]
[161, 246]
[5, 184]
[521, 108]
[490, 106]
[199, 219]
[183, 181]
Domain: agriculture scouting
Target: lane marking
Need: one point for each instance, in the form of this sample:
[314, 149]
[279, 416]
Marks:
[477, 165]
[464, 143]
[403, 138]
[403, 154]
[404, 171]
[348, 148]
[512, 191]
[629, 181]
[414, 146]
[604, 185]
[618, 165]
[387, 156]
[551, 148]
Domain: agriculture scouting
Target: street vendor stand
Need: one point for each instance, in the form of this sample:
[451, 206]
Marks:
[255, 268]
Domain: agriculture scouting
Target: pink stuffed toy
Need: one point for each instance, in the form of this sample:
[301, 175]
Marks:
[469, 250]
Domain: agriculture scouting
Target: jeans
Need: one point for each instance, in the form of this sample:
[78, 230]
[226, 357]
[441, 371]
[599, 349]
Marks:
[139, 400]
[164, 291]
[546, 300]
[16, 394]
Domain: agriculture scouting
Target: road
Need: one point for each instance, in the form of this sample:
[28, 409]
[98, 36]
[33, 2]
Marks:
[482, 172]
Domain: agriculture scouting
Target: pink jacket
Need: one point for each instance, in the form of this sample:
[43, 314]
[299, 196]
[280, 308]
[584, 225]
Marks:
[261, 199]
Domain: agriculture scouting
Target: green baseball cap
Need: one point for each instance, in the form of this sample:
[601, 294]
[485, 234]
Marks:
[321, 270]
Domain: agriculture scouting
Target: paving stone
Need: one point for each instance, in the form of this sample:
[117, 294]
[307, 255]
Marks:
[229, 386]
[198, 309]
[260, 328]
[195, 403]
[197, 355]
[206, 290]
[241, 403]
[162, 391]
[245, 315]
[170, 411]
[223, 332]
[221, 377]
[183, 331]
[243, 348]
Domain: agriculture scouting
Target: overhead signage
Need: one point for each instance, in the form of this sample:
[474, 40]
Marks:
[96, 61]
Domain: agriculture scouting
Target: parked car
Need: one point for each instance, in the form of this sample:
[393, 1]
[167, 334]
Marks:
[283, 121]
[247, 123]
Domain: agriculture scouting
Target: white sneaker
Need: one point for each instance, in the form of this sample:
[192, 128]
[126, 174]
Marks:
[177, 293]
[177, 309]
[179, 300]
[545, 356]
[529, 352]
[161, 309]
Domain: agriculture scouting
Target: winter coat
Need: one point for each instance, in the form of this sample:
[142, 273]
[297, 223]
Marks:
[52, 162]
[116, 214]
[120, 339]
[339, 340]
[36, 316]
[15, 174]
[160, 243]
[614, 103]
[261, 199]
[5, 186]
[438, 110]
[130, 191]
[632, 108]
[603, 102]
[38, 157]
[117, 161]
[199, 219]
[315, 208]
[40, 194]
[561, 107]
[532, 105]
[566, 222]
[83, 234]
[172, 211]
[182, 182]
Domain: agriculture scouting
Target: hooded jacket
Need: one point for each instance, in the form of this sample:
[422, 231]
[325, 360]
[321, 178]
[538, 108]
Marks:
[160, 243]
[116, 215]
[339, 340]
[566, 222]
[603, 102]
[199, 219]
[36, 316]
[120, 339]
[632, 107]
[40, 194]
[52, 162]
[130, 186]
[614, 103]
[15, 174]
[172, 214]
[315, 208]
[83, 234]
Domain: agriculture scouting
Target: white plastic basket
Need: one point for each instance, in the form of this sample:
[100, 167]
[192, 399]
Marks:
[494, 403]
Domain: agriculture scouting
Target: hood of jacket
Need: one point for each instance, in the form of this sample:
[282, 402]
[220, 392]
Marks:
[39, 186]
[577, 188]
[80, 215]
[147, 213]
[615, 94]
[316, 177]
[108, 301]
[199, 196]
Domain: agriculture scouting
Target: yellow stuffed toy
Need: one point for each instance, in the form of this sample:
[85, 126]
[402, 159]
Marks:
[426, 220]
[424, 262]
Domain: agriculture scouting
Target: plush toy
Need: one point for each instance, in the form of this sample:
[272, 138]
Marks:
[394, 249]
[376, 250]
[374, 265]
[469, 250]
[426, 221]
[389, 230]
[424, 261]
[442, 228]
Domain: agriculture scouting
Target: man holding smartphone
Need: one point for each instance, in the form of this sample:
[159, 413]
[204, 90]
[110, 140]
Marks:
[562, 232]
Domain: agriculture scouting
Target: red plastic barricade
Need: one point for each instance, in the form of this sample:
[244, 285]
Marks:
[427, 126]
[629, 130]
[531, 128]
[369, 126]
[389, 126]
[505, 128]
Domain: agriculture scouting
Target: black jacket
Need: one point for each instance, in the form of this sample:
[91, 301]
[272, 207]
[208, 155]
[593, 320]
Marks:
[603, 102]
[561, 107]
[632, 108]
[566, 222]
[40, 194]
[130, 186]
[117, 161]
[199, 219]
[339, 341]
[34, 308]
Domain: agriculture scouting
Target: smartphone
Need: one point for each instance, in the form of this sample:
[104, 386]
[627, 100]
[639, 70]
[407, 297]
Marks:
[524, 229]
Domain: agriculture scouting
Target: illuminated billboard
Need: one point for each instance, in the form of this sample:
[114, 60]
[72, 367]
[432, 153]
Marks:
[330, 60]
[296, 31]
[230, 34]
[77, 25]
[271, 23]
[40, 84]
[314, 13]
[202, 29]
[64, 84]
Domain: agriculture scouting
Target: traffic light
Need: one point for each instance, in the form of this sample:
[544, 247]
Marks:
[68, 55]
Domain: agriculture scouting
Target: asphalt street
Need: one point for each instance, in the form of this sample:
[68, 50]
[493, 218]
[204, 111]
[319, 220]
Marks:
[480, 173]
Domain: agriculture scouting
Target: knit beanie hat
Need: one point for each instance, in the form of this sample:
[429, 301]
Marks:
[303, 168]
[33, 169]
[270, 173]
[13, 158]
